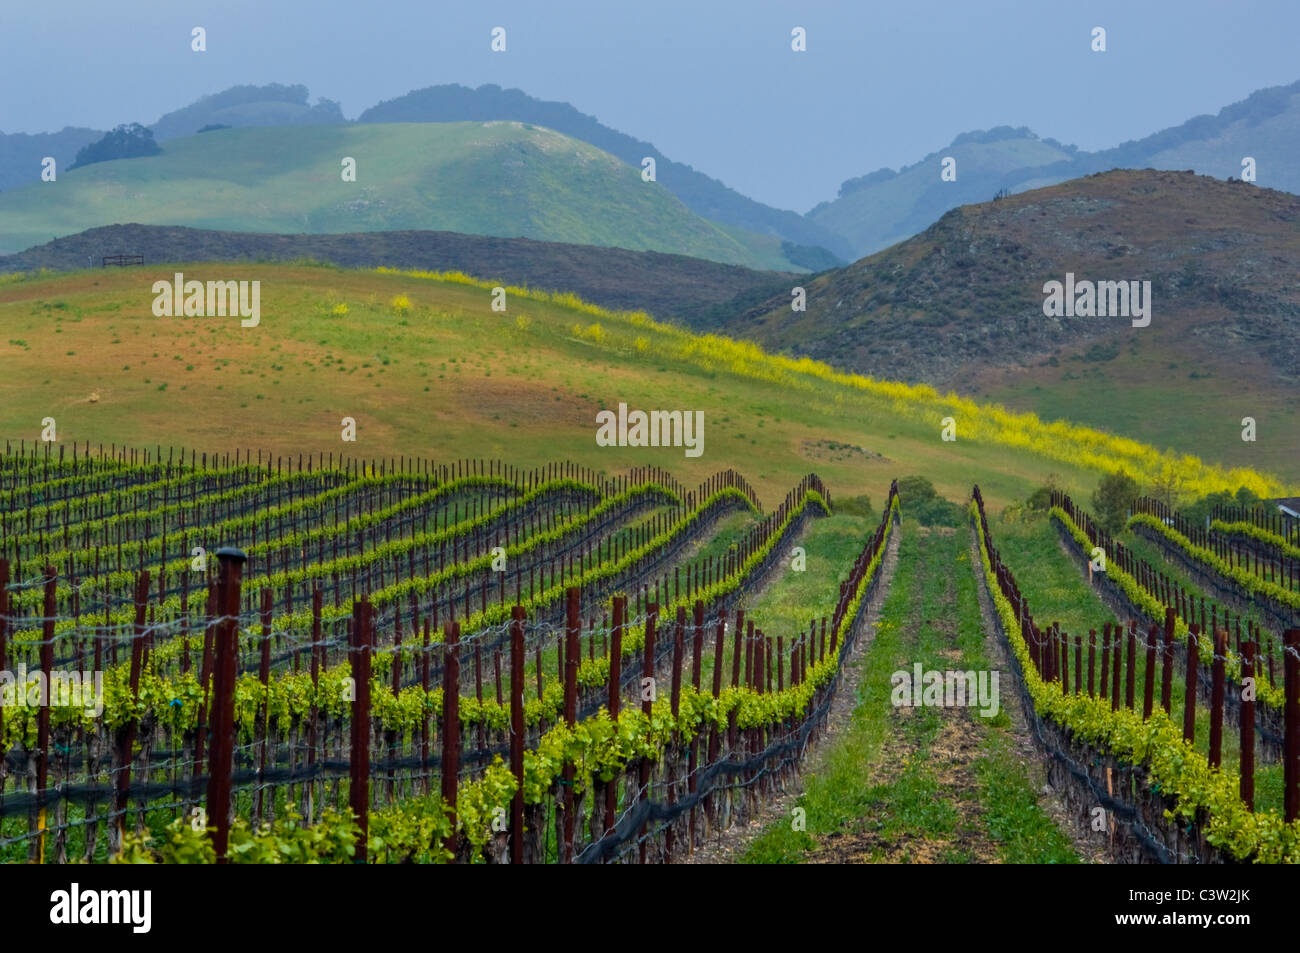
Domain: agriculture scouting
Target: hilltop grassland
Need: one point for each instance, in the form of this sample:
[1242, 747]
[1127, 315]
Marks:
[507, 179]
[427, 368]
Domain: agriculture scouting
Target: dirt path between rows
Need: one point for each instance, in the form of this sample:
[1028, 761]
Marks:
[1090, 845]
[725, 846]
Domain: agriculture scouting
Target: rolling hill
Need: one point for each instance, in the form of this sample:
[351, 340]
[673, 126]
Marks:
[668, 286]
[961, 305]
[876, 210]
[503, 178]
[426, 367]
[702, 194]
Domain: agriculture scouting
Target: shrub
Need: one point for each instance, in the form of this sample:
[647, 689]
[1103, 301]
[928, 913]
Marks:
[922, 503]
[1112, 499]
[853, 506]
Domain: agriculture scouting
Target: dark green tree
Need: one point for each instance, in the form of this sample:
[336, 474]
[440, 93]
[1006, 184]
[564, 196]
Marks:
[1112, 499]
[127, 141]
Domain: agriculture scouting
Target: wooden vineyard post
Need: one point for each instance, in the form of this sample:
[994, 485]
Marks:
[1149, 676]
[1216, 697]
[1291, 724]
[1189, 691]
[1130, 666]
[572, 656]
[43, 713]
[697, 650]
[222, 718]
[714, 739]
[1092, 663]
[615, 698]
[1167, 670]
[264, 678]
[517, 729]
[1103, 688]
[675, 700]
[126, 737]
[317, 596]
[1247, 720]
[360, 648]
[647, 706]
[450, 725]
[1116, 662]
[4, 661]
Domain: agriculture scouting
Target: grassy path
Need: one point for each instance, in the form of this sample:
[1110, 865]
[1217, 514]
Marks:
[927, 784]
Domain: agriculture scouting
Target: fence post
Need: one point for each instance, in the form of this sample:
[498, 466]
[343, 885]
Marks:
[43, 713]
[1247, 719]
[1167, 671]
[517, 729]
[1216, 697]
[1291, 724]
[647, 705]
[264, 678]
[359, 650]
[126, 738]
[615, 697]
[1149, 676]
[1189, 691]
[222, 719]
[572, 657]
[1130, 665]
[450, 724]
[4, 661]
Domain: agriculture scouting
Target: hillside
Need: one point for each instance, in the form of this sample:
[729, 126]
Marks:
[504, 179]
[21, 153]
[270, 105]
[879, 209]
[667, 286]
[961, 305]
[702, 194]
[425, 367]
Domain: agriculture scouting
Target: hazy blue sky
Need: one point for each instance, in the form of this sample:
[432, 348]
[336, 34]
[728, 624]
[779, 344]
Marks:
[714, 84]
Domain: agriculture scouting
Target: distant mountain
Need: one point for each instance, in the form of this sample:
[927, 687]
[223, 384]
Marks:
[876, 210]
[668, 286]
[21, 153]
[966, 294]
[703, 195]
[961, 306]
[271, 105]
[507, 179]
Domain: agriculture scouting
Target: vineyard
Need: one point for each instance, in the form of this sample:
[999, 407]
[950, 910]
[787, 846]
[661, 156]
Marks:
[403, 661]
[252, 659]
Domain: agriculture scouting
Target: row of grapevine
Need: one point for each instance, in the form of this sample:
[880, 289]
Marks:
[1109, 712]
[155, 739]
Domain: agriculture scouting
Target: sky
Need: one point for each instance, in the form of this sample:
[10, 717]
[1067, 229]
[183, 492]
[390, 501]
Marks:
[713, 84]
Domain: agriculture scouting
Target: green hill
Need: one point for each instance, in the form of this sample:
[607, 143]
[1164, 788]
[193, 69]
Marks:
[426, 367]
[702, 194]
[500, 178]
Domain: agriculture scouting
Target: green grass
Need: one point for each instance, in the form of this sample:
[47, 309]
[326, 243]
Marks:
[449, 379]
[879, 780]
[477, 178]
